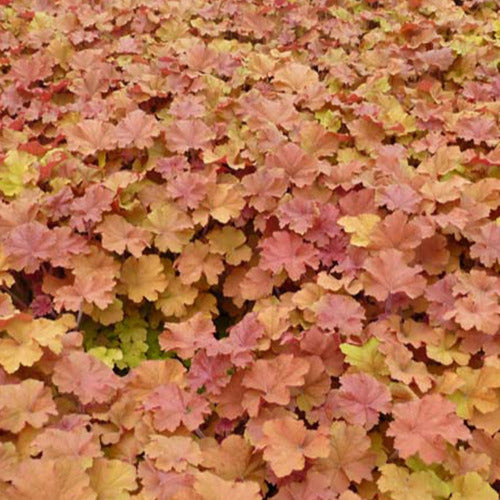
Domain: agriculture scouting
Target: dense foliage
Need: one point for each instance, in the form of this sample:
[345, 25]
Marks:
[249, 250]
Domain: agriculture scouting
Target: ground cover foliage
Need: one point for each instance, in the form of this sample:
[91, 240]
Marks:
[249, 250]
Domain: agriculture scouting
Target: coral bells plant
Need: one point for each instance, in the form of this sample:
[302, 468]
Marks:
[249, 250]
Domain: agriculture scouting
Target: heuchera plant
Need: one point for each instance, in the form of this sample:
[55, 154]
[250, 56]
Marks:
[249, 250]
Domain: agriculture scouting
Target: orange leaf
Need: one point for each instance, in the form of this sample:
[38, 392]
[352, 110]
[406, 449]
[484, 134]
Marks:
[287, 443]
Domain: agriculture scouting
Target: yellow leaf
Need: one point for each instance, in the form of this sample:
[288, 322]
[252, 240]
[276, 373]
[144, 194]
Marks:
[230, 242]
[173, 228]
[107, 356]
[5, 277]
[143, 278]
[15, 172]
[205, 303]
[472, 487]
[173, 301]
[403, 485]
[232, 459]
[307, 296]
[366, 358]
[112, 479]
[209, 486]
[195, 261]
[275, 319]
[359, 227]
[477, 391]
[112, 314]
[447, 351]
[19, 348]
[226, 202]
[49, 333]
[328, 282]
[331, 120]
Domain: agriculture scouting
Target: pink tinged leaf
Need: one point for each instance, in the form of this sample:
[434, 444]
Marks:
[210, 373]
[477, 128]
[30, 69]
[256, 284]
[387, 273]
[424, 426]
[137, 129]
[58, 204]
[315, 485]
[90, 207]
[327, 347]
[41, 305]
[200, 57]
[243, 340]
[88, 378]
[288, 251]
[325, 227]
[129, 45]
[189, 189]
[361, 399]
[119, 235]
[28, 245]
[89, 136]
[301, 168]
[341, 313]
[189, 106]
[188, 336]
[274, 377]
[400, 196]
[91, 84]
[183, 135]
[69, 442]
[480, 313]
[93, 288]
[27, 403]
[171, 407]
[295, 77]
[171, 166]
[260, 112]
[487, 245]
[162, 485]
[298, 214]
[358, 202]
[67, 244]
[265, 187]
[441, 59]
